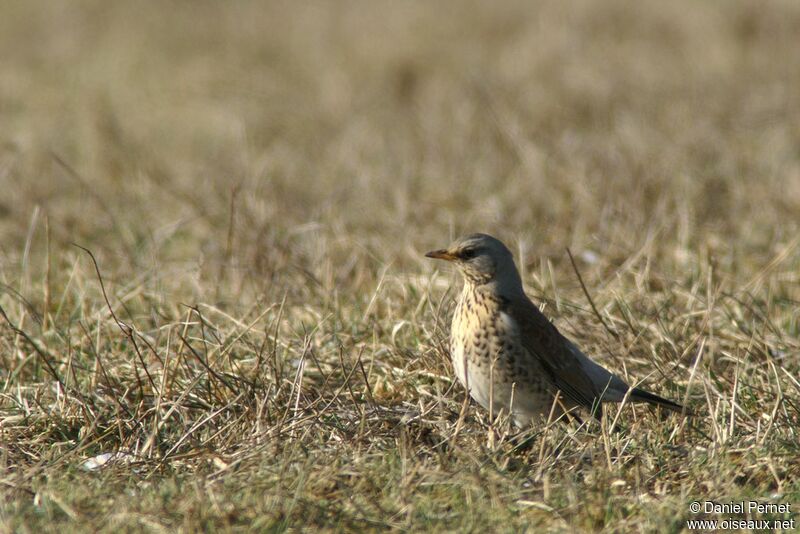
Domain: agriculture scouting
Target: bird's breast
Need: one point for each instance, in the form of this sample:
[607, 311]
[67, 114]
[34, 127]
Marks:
[477, 338]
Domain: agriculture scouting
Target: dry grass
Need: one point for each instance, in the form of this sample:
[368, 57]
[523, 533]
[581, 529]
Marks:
[257, 183]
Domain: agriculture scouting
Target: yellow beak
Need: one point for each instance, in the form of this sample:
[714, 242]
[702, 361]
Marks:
[441, 254]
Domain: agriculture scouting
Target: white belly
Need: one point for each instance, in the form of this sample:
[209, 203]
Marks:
[485, 383]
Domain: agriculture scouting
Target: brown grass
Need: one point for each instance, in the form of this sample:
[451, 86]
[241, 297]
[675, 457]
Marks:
[261, 342]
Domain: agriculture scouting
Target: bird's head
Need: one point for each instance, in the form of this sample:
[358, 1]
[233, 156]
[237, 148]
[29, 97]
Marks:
[482, 259]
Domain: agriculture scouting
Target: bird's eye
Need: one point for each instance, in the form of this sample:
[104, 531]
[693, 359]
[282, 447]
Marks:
[467, 253]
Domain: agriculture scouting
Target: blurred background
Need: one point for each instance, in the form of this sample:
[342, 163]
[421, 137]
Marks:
[163, 132]
[258, 182]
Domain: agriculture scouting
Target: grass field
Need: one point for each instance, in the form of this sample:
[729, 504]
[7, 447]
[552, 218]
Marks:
[261, 343]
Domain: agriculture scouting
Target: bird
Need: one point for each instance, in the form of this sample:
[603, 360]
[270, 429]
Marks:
[509, 356]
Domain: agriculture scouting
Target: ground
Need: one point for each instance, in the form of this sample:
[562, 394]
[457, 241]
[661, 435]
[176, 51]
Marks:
[212, 226]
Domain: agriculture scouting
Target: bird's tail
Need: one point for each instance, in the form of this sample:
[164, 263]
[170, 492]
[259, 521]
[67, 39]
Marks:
[640, 395]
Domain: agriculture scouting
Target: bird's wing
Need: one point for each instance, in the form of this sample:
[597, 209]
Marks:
[544, 342]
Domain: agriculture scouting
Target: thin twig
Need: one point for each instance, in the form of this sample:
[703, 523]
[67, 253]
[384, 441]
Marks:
[589, 297]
